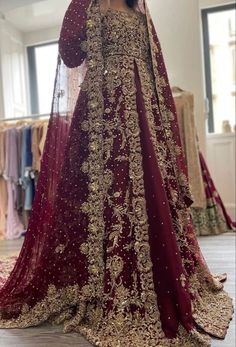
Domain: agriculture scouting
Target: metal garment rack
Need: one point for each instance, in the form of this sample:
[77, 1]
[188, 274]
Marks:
[23, 118]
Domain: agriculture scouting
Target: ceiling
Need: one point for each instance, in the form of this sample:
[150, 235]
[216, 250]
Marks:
[32, 15]
[7, 5]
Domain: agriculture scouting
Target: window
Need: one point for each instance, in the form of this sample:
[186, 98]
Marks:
[42, 68]
[219, 51]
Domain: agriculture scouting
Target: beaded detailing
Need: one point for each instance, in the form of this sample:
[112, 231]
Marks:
[118, 40]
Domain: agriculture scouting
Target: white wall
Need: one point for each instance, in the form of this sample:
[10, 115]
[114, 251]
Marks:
[178, 27]
[12, 4]
[41, 36]
[14, 88]
[12, 71]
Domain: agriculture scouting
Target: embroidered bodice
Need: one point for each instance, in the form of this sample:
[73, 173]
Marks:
[125, 34]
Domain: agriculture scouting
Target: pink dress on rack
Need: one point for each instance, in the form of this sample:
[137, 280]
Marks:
[14, 227]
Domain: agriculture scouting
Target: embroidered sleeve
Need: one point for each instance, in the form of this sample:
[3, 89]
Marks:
[72, 42]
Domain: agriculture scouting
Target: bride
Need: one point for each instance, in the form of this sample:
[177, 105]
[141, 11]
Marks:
[110, 251]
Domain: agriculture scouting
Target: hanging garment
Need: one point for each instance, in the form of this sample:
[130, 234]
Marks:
[213, 219]
[36, 137]
[26, 167]
[3, 187]
[14, 226]
[110, 250]
[39, 133]
[208, 211]
[44, 129]
[184, 102]
[30, 141]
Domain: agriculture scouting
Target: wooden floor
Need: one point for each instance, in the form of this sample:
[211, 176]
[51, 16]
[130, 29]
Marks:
[219, 252]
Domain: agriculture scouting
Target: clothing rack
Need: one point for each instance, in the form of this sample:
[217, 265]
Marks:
[26, 117]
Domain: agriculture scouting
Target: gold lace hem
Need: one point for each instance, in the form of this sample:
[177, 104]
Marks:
[212, 313]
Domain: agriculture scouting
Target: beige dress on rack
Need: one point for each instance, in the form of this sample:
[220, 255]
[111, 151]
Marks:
[208, 211]
[184, 102]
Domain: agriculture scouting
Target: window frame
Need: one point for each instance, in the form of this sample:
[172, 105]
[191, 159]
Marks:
[207, 57]
[32, 70]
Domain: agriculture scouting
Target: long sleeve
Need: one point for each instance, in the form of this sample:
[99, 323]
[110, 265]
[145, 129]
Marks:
[72, 40]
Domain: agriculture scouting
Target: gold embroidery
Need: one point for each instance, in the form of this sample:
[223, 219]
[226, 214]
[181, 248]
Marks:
[60, 248]
[183, 280]
[109, 313]
[94, 165]
[115, 265]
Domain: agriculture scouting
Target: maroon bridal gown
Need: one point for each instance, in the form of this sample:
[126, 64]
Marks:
[110, 251]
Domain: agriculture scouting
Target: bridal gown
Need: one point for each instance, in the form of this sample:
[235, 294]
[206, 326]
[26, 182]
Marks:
[116, 258]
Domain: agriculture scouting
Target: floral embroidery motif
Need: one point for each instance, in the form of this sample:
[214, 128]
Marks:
[60, 249]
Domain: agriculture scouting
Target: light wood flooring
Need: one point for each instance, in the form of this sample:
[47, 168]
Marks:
[219, 252]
